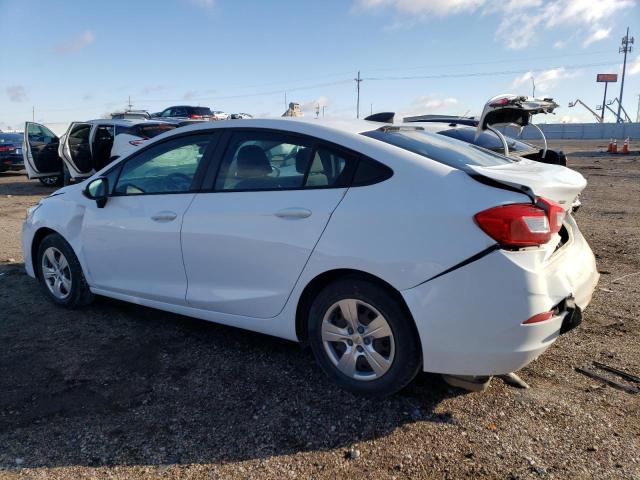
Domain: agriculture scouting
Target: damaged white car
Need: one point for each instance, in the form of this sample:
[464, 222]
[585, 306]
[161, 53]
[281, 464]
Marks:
[389, 249]
[84, 148]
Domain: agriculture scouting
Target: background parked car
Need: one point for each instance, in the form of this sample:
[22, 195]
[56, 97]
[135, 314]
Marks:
[85, 147]
[240, 116]
[502, 110]
[220, 115]
[186, 112]
[131, 115]
[11, 151]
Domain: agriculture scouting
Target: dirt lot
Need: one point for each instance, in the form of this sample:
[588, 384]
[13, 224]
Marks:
[122, 391]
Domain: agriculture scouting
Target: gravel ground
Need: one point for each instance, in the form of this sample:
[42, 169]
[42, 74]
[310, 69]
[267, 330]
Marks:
[121, 391]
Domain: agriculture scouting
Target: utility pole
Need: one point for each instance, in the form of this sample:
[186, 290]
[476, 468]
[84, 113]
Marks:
[638, 112]
[129, 104]
[33, 114]
[625, 48]
[358, 81]
[533, 82]
[286, 105]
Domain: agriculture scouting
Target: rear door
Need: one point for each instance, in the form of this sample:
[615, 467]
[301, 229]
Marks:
[246, 241]
[40, 151]
[77, 149]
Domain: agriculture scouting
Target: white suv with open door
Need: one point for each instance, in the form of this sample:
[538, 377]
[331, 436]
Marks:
[84, 148]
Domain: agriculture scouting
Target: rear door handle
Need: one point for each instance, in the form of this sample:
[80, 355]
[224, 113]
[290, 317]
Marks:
[293, 212]
[164, 216]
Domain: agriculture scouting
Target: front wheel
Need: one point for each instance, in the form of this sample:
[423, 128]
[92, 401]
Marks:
[363, 338]
[60, 273]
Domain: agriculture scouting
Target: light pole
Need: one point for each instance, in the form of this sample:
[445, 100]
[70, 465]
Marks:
[625, 48]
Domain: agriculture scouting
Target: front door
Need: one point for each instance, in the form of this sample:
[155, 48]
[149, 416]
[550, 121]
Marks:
[77, 150]
[132, 245]
[246, 242]
[40, 151]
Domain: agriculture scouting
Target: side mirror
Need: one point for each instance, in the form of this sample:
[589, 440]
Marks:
[98, 190]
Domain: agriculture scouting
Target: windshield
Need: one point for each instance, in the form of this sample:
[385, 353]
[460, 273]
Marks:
[454, 153]
[488, 140]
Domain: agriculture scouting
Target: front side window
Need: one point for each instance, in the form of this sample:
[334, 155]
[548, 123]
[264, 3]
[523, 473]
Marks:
[168, 167]
[275, 161]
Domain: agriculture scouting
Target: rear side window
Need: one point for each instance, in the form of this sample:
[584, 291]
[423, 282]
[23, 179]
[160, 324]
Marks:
[444, 150]
[279, 161]
[199, 111]
[369, 172]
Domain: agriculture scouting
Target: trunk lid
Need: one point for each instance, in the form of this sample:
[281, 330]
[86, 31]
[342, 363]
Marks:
[509, 109]
[554, 182]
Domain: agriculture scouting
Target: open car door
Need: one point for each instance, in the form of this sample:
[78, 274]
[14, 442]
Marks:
[76, 149]
[513, 110]
[40, 151]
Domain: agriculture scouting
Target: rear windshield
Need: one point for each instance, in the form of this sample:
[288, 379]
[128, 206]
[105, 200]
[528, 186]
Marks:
[153, 129]
[10, 138]
[200, 111]
[453, 153]
[488, 140]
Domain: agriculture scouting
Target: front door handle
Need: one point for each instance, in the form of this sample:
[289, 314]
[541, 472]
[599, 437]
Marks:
[293, 212]
[164, 216]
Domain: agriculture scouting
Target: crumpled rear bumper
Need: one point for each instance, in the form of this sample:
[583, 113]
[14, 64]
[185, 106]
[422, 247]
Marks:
[470, 321]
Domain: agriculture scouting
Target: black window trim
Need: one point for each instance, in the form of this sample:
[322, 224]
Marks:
[213, 171]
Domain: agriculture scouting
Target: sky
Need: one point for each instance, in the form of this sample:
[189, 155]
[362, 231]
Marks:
[70, 60]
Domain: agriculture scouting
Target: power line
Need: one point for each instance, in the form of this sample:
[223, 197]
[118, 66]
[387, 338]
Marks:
[492, 73]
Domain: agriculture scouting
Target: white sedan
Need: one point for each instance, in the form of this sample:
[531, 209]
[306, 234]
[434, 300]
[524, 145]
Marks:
[388, 249]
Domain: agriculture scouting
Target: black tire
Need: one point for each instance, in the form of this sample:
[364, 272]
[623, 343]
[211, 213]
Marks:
[52, 181]
[78, 294]
[407, 358]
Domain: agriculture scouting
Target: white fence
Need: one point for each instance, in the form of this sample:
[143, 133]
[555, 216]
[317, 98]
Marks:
[578, 131]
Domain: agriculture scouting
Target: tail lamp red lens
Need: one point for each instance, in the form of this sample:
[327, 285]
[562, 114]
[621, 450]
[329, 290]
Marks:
[195, 117]
[7, 148]
[522, 224]
[540, 317]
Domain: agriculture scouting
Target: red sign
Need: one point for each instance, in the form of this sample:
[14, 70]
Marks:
[607, 77]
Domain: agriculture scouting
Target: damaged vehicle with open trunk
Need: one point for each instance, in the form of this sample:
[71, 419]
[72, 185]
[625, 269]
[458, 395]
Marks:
[84, 148]
[505, 110]
[388, 249]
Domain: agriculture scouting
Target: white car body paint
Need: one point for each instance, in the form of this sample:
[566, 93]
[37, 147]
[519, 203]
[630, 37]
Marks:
[404, 230]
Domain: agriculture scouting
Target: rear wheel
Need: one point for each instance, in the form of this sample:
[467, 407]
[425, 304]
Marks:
[363, 339]
[60, 273]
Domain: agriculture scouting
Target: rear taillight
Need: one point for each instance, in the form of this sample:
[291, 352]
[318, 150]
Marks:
[7, 148]
[195, 117]
[522, 224]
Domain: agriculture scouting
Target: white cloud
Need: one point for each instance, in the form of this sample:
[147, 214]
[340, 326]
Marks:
[206, 4]
[321, 101]
[77, 43]
[520, 21]
[189, 95]
[422, 7]
[16, 93]
[427, 104]
[545, 80]
[596, 36]
[634, 67]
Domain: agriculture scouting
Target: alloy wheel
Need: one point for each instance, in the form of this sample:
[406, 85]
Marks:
[358, 339]
[56, 273]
